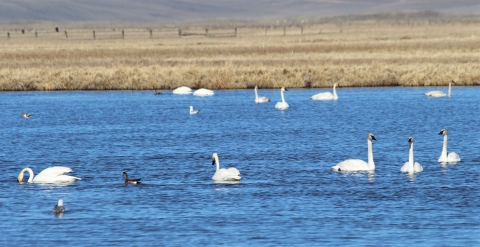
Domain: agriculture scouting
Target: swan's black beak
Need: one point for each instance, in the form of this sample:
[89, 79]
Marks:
[373, 138]
[286, 89]
[453, 82]
[441, 132]
[213, 162]
[410, 140]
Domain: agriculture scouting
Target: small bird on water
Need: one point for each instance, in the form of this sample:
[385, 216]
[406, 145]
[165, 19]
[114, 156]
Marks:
[25, 115]
[192, 111]
[59, 208]
[130, 181]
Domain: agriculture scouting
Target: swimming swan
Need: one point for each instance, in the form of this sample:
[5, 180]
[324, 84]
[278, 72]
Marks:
[353, 165]
[203, 92]
[182, 90]
[326, 95]
[447, 157]
[282, 105]
[411, 166]
[222, 174]
[192, 111]
[440, 93]
[260, 99]
[55, 174]
[59, 208]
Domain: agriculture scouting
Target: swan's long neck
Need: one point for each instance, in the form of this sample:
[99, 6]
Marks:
[449, 89]
[30, 174]
[371, 164]
[444, 149]
[411, 162]
[217, 162]
[335, 92]
[283, 99]
[256, 94]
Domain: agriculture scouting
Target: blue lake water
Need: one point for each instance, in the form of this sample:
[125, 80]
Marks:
[288, 196]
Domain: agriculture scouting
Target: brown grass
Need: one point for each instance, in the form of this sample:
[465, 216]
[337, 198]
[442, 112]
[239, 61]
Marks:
[362, 55]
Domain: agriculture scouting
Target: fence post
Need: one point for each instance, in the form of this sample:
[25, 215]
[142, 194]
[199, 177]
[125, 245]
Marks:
[36, 35]
[8, 34]
[151, 33]
[284, 30]
[94, 34]
[180, 33]
[236, 32]
[123, 34]
[206, 32]
[66, 35]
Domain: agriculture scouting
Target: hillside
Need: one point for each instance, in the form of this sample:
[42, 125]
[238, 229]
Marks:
[189, 10]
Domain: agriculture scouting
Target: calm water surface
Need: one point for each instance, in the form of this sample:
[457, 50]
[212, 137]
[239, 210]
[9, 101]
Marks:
[287, 197]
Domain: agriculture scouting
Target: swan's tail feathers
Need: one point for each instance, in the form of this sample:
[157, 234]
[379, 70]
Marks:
[233, 178]
[233, 171]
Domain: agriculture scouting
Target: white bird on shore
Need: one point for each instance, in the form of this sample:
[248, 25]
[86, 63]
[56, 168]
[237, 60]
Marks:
[353, 165]
[260, 99]
[192, 111]
[282, 105]
[411, 166]
[326, 95]
[437, 93]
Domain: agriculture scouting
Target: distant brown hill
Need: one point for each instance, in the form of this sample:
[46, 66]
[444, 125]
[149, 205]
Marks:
[189, 10]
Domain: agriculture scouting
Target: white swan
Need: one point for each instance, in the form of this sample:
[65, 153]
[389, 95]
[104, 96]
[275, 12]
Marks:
[282, 105]
[447, 157]
[326, 95]
[411, 166]
[353, 165]
[192, 111]
[260, 99]
[440, 93]
[25, 115]
[182, 90]
[55, 174]
[59, 208]
[203, 92]
[222, 174]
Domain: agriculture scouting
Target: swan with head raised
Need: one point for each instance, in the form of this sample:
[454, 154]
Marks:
[326, 95]
[411, 166]
[437, 93]
[445, 156]
[260, 99]
[55, 174]
[222, 174]
[192, 111]
[282, 105]
[353, 165]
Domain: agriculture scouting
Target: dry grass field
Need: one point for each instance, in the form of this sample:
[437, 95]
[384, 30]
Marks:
[354, 54]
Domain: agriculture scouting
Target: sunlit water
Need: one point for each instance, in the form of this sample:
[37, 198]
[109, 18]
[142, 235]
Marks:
[287, 196]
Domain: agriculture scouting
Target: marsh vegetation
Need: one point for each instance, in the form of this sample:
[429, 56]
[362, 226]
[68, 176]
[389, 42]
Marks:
[356, 53]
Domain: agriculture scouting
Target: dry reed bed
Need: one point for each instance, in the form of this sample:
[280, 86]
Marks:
[359, 56]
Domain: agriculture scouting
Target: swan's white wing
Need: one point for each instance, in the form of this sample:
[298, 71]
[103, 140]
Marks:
[417, 167]
[453, 157]
[224, 175]
[233, 171]
[281, 105]
[322, 96]
[203, 92]
[182, 90]
[351, 165]
[404, 167]
[55, 174]
[435, 94]
[262, 99]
